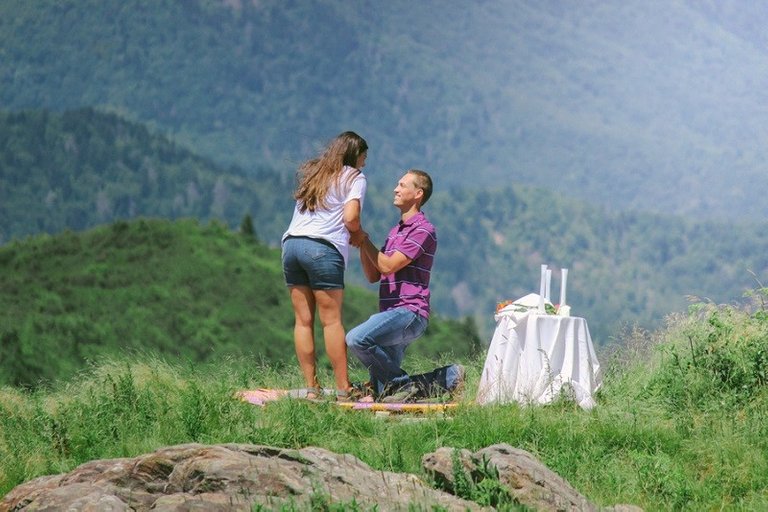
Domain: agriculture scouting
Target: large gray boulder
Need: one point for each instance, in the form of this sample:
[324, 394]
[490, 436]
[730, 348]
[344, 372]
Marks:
[228, 477]
[243, 477]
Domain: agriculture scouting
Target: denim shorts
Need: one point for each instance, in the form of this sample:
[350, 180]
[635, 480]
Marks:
[312, 262]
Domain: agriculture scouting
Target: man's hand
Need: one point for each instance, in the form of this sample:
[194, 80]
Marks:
[357, 238]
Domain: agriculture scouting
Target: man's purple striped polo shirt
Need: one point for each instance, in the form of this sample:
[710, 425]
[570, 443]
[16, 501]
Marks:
[409, 287]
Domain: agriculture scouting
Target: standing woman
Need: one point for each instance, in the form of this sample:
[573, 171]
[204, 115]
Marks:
[326, 220]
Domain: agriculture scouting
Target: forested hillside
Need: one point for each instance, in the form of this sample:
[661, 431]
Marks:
[649, 105]
[186, 291]
[83, 168]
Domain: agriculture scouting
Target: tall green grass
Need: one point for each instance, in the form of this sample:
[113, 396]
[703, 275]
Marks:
[681, 421]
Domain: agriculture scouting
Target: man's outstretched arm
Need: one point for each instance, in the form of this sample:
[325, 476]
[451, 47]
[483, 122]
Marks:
[375, 263]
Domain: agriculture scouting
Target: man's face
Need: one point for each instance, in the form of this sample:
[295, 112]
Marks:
[406, 192]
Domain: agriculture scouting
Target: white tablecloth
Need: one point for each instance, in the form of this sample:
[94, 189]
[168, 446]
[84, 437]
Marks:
[534, 357]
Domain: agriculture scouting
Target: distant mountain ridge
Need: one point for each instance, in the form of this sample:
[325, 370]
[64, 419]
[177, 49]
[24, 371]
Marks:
[641, 105]
[84, 168]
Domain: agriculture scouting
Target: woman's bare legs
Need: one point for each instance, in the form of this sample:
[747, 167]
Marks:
[303, 301]
[329, 307]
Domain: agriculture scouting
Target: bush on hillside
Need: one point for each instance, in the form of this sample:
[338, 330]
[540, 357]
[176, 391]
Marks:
[716, 356]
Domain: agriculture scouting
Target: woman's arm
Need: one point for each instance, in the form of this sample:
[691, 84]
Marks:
[369, 268]
[351, 215]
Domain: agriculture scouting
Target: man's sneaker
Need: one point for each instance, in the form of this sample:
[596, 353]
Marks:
[455, 377]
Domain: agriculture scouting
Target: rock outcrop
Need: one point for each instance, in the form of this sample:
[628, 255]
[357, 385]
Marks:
[249, 477]
[227, 477]
[524, 477]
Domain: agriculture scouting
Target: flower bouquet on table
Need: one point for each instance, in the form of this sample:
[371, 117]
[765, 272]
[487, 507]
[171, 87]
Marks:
[524, 304]
[530, 304]
[540, 302]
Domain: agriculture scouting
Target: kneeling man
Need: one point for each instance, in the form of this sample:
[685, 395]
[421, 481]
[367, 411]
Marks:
[402, 267]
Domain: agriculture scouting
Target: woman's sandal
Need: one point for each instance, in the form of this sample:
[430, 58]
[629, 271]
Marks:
[347, 395]
[353, 394]
[314, 393]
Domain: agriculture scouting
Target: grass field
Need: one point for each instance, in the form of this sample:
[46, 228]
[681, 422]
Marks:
[681, 421]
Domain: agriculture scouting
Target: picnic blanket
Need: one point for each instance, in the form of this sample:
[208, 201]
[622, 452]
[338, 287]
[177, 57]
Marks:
[262, 396]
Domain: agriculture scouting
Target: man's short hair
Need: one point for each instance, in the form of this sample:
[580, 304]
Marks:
[423, 181]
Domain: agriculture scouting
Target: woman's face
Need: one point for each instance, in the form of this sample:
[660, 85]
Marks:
[361, 160]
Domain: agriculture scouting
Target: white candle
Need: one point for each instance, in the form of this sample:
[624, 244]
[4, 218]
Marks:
[547, 288]
[542, 288]
[563, 284]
